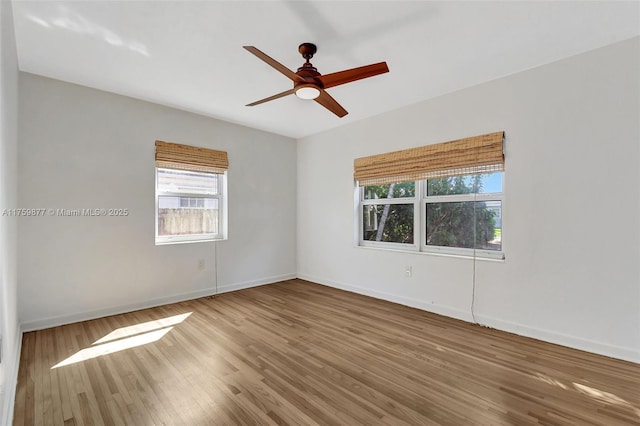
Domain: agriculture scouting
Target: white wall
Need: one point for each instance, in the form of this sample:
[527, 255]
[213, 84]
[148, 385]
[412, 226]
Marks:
[571, 228]
[9, 328]
[83, 148]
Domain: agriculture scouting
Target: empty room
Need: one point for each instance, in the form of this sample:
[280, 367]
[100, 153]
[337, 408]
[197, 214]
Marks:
[319, 212]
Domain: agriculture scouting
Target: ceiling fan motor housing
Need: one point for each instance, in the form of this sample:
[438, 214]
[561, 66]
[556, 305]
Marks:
[308, 75]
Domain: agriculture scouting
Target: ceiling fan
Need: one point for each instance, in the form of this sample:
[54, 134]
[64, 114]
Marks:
[308, 83]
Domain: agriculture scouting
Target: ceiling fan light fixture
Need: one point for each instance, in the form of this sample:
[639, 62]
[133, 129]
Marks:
[307, 92]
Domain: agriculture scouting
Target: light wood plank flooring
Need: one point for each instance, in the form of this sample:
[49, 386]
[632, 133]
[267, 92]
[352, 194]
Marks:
[299, 353]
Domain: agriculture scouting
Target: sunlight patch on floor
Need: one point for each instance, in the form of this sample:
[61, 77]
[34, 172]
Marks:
[551, 381]
[126, 338]
[115, 346]
[143, 327]
[597, 394]
[605, 397]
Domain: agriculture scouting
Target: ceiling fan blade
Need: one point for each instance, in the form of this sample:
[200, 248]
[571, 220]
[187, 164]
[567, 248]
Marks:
[353, 74]
[270, 98]
[275, 64]
[331, 104]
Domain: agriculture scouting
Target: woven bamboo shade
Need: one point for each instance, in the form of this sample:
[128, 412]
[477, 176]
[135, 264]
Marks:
[184, 157]
[478, 154]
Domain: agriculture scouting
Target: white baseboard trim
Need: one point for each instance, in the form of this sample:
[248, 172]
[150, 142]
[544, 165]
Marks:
[55, 321]
[612, 351]
[255, 283]
[623, 353]
[406, 301]
[11, 383]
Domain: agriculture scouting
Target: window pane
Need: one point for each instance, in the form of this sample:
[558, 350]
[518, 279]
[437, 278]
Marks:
[490, 183]
[461, 224]
[176, 219]
[391, 223]
[179, 181]
[468, 184]
[397, 190]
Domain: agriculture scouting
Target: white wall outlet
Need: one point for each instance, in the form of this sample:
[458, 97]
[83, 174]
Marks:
[408, 271]
[201, 264]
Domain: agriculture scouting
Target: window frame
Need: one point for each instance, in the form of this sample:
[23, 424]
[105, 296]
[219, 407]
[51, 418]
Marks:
[471, 197]
[415, 201]
[420, 202]
[221, 196]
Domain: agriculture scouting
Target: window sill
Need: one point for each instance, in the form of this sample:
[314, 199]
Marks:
[180, 241]
[497, 257]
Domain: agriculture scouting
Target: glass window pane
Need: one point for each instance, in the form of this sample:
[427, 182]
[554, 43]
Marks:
[495, 209]
[490, 183]
[397, 190]
[461, 224]
[176, 219]
[179, 181]
[391, 223]
[467, 184]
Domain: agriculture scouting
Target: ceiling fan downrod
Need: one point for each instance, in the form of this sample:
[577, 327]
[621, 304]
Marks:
[307, 50]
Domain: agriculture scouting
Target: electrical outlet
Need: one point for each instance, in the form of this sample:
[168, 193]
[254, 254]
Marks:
[201, 264]
[408, 271]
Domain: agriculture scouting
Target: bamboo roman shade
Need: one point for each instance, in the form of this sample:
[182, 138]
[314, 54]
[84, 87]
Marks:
[185, 157]
[478, 154]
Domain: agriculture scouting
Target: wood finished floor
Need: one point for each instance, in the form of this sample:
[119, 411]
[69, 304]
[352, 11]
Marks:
[299, 353]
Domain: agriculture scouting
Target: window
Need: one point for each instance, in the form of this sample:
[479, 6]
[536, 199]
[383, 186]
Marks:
[463, 213]
[190, 194]
[188, 205]
[453, 205]
[388, 213]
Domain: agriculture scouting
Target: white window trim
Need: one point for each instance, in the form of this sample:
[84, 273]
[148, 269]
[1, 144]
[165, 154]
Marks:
[459, 251]
[221, 196]
[420, 236]
[415, 200]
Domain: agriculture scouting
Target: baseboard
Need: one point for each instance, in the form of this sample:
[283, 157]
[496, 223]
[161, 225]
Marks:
[625, 354]
[406, 301]
[612, 351]
[11, 383]
[121, 309]
[255, 283]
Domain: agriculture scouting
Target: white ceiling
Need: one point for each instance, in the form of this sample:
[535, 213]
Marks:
[189, 55]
